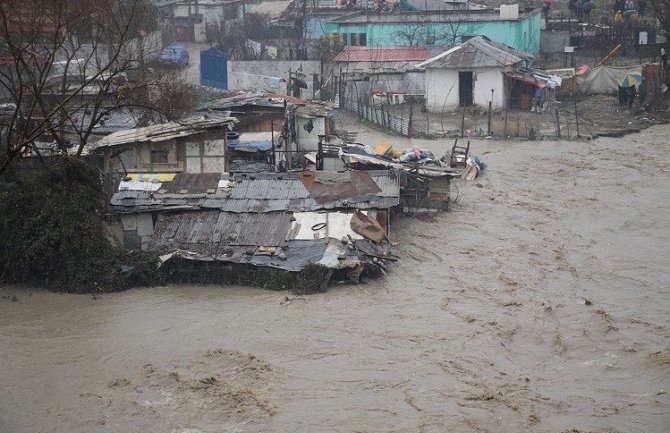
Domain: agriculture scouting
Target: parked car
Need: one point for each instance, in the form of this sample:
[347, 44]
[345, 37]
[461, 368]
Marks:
[174, 55]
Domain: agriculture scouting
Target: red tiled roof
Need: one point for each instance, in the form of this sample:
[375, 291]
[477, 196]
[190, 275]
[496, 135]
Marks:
[382, 54]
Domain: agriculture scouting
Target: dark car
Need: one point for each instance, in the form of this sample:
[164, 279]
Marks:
[174, 55]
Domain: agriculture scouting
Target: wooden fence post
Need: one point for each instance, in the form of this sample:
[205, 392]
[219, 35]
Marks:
[558, 123]
[463, 123]
[490, 106]
[577, 119]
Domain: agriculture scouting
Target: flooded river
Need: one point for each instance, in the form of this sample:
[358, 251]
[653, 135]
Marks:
[540, 304]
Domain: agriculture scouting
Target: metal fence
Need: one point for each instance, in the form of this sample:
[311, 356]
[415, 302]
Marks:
[379, 115]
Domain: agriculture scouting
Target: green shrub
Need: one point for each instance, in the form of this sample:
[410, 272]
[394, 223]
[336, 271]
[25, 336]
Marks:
[52, 229]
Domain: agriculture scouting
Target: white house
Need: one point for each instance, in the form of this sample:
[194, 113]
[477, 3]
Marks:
[472, 73]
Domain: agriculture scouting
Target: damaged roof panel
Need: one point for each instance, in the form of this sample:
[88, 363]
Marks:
[166, 131]
[271, 239]
[326, 187]
[189, 183]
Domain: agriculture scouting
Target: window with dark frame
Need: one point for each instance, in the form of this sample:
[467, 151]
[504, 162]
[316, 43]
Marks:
[159, 156]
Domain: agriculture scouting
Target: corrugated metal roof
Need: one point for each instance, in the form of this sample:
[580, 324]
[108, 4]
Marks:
[166, 131]
[358, 187]
[265, 192]
[251, 99]
[261, 239]
[206, 231]
[382, 54]
[388, 184]
[478, 52]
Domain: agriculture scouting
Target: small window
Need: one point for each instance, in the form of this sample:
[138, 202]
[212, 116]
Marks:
[358, 39]
[159, 156]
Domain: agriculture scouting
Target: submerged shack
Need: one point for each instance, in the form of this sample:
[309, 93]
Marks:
[338, 221]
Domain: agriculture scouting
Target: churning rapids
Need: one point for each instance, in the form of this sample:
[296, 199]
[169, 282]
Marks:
[541, 303]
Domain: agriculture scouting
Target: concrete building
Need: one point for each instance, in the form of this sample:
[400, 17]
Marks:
[472, 73]
[519, 29]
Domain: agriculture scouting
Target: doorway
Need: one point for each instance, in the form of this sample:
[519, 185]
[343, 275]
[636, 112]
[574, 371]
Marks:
[465, 88]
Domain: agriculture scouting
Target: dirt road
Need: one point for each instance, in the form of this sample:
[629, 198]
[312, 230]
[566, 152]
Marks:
[540, 304]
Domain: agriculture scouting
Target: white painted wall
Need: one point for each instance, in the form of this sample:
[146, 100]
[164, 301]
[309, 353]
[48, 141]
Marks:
[309, 140]
[268, 74]
[442, 88]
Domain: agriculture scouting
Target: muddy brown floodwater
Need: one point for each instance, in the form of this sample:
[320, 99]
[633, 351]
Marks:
[540, 304]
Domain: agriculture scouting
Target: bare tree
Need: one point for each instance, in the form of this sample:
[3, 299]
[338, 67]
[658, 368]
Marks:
[65, 67]
[453, 31]
[448, 32]
[233, 36]
[411, 34]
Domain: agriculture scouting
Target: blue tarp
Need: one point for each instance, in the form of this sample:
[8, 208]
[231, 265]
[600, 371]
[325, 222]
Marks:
[258, 145]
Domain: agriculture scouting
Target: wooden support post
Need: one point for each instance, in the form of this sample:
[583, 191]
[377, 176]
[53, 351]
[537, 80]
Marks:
[274, 149]
[463, 123]
[490, 106]
[577, 120]
[506, 115]
[409, 122]
[558, 123]
[319, 153]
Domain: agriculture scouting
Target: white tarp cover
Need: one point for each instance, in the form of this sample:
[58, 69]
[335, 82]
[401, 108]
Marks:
[328, 224]
[552, 81]
[134, 185]
[603, 79]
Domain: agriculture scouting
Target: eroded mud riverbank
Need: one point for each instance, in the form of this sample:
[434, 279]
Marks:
[540, 304]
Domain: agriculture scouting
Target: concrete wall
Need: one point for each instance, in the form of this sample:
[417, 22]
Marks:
[442, 88]
[268, 74]
[410, 83]
[554, 41]
[523, 34]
